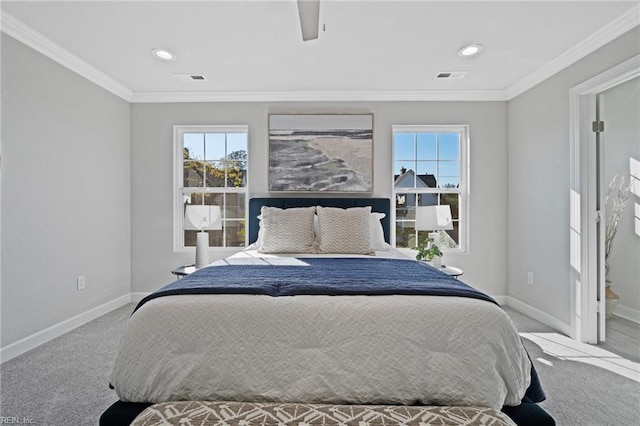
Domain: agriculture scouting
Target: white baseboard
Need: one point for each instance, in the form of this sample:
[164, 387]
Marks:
[539, 316]
[137, 297]
[627, 313]
[502, 300]
[33, 341]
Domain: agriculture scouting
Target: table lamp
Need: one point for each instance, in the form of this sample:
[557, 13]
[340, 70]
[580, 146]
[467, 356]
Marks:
[434, 219]
[199, 218]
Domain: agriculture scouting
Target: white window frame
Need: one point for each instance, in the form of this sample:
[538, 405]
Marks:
[462, 190]
[178, 183]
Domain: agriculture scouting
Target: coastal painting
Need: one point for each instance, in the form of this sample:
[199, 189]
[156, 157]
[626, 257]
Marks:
[321, 152]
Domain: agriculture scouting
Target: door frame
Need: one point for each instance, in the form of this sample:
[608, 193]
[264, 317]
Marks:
[584, 249]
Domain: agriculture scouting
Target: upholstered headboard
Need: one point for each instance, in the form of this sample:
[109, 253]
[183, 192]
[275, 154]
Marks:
[381, 205]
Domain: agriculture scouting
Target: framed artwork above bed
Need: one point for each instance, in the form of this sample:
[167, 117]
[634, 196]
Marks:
[321, 153]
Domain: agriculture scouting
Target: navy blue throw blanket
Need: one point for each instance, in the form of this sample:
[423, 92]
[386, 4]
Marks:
[331, 277]
[322, 276]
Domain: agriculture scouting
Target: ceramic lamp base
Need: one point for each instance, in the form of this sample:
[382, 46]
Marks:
[202, 250]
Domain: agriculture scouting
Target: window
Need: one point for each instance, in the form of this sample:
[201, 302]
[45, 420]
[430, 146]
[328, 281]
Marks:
[430, 168]
[211, 170]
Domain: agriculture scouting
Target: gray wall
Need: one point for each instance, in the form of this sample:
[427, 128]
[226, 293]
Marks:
[65, 193]
[538, 191]
[621, 113]
[152, 173]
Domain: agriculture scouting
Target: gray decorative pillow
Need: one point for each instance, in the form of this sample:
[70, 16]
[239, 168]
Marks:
[376, 232]
[286, 230]
[344, 230]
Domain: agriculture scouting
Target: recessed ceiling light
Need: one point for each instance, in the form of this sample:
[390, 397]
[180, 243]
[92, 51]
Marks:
[163, 54]
[470, 50]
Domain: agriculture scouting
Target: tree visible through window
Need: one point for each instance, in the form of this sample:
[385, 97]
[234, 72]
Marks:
[211, 170]
[429, 169]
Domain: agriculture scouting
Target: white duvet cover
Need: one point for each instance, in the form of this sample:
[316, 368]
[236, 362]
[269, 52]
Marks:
[321, 349]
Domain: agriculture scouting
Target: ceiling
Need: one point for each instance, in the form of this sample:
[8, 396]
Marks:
[250, 50]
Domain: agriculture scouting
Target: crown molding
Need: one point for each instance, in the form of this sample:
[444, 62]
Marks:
[317, 96]
[35, 40]
[606, 34]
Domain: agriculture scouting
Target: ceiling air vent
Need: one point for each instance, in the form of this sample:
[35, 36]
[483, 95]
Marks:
[451, 75]
[190, 77]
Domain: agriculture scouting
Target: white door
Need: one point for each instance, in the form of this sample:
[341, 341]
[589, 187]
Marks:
[600, 225]
[619, 108]
[587, 265]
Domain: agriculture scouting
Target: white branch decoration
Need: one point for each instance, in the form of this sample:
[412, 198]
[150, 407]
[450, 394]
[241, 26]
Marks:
[618, 194]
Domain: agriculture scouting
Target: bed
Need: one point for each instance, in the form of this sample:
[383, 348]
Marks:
[320, 312]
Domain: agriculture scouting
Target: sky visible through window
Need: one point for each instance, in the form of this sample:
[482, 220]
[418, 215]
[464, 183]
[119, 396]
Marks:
[211, 146]
[432, 153]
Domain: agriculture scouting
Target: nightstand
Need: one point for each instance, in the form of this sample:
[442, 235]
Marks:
[449, 270]
[184, 270]
[452, 270]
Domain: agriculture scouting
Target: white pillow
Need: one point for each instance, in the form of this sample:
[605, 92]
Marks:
[344, 230]
[260, 231]
[376, 232]
[286, 230]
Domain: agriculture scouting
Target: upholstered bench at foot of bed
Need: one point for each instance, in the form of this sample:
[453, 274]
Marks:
[247, 413]
[125, 413]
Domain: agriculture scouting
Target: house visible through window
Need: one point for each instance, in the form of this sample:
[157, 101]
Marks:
[210, 170]
[430, 168]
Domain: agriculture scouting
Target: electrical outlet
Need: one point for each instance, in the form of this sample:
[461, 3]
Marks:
[81, 282]
[530, 277]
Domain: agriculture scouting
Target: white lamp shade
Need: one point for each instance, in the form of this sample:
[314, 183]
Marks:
[433, 218]
[198, 217]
